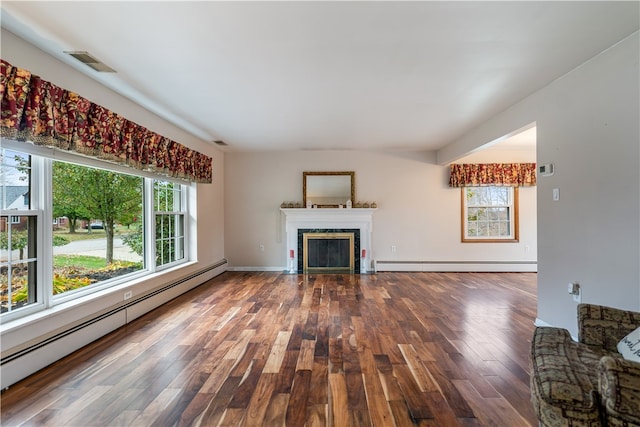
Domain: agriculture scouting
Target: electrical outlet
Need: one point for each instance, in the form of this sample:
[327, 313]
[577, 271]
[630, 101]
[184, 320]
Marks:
[393, 248]
[128, 295]
[261, 247]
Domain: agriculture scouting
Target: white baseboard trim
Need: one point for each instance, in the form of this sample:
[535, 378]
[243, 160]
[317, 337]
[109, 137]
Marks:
[429, 266]
[248, 268]
[457, 266]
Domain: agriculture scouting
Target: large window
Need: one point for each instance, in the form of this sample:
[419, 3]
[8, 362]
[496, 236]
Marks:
[99, 208]
[490, 214]
[98, 234]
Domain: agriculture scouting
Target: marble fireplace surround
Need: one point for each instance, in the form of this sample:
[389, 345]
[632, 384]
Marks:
[328, 219]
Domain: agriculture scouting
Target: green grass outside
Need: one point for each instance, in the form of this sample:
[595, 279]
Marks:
[92, 263]
[82, 261]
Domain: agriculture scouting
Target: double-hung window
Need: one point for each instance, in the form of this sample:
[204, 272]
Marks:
[169, 211]
[490, 214]
[20, 266]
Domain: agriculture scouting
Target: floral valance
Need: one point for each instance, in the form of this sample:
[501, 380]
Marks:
[36, 110]
[507, 174]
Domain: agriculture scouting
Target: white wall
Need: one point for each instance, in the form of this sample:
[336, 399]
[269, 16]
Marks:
[208, 219]
[417, 211]
[588, 127]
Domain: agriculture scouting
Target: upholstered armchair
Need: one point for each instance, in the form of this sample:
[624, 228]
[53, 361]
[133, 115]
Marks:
[586, 383]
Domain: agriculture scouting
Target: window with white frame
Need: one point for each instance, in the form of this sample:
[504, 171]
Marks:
[169, 212]
[489, 214]
[103, 239]
[19, 264]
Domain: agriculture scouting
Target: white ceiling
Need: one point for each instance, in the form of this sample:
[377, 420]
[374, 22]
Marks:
[326, 75]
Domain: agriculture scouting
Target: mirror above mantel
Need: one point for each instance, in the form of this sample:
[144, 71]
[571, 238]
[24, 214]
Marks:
[328, 189]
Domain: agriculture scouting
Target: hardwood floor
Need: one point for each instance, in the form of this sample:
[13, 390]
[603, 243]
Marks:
[269, 349]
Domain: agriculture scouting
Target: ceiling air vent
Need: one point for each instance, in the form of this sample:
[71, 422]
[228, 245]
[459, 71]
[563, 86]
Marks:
[220, 143]
[86, 58]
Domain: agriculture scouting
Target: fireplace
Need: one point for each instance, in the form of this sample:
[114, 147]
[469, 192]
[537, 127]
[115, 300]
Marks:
[328, 220]
[326, 250]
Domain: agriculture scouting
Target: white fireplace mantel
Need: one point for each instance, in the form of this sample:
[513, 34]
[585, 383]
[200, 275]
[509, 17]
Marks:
[304, 218]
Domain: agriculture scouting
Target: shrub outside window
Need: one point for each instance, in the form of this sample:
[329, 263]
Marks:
[489, 214]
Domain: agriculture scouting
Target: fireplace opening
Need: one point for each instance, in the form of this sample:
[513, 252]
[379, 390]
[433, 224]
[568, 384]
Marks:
[329, 250]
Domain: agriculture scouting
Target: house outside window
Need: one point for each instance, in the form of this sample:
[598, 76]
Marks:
[489, 214]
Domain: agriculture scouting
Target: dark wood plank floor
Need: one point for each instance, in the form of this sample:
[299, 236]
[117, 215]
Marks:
[269, 349]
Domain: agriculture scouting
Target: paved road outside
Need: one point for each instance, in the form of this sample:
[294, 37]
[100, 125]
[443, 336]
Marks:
[98, 248]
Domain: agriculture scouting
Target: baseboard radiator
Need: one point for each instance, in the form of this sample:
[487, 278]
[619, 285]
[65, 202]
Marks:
[455, 266]
[29, 360]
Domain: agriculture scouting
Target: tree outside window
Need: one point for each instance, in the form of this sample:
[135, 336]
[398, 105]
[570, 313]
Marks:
[105, 203]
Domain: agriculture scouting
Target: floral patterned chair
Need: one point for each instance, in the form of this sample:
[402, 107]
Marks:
[586, 383]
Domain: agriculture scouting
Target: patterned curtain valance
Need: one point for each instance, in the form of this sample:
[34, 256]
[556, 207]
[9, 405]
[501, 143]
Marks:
[507, 174]
[39, 111]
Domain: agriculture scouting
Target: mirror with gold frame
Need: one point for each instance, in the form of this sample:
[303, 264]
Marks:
[328, 189]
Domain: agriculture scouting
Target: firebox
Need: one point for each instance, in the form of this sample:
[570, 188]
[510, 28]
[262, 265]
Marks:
[328, 250]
